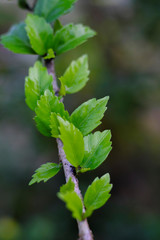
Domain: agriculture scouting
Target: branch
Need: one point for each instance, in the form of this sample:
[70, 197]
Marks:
[69, 171]
[50, 67]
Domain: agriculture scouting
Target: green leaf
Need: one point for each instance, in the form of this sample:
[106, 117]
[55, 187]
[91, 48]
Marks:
[76, 75]
[16, 40]
[36, 83]
[88, 115]
[53, 9]
[74, 204]
[68, 187]
[48, 103]
[73, 143]
[40, 34]
[50, 54]
[72, 200]
[83, 170]
[45, 172]
[97, 194]
[57, 25]
[54, 125]
[71, 36]
[97, 148]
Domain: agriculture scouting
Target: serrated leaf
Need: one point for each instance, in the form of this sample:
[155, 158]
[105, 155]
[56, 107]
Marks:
[88, 115]
[76, 75]
[53, 9]
[74, 204]
[48, 103]
[36, 83]
[97, 194]
[97, 148]
[40, 34]
[68, 187]
[73, 143]
[54, 125]
[71, 36]
[72, 200]
[45, 172]
[16, 40]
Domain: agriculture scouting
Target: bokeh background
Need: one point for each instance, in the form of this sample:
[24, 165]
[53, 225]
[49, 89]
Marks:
[125, 64]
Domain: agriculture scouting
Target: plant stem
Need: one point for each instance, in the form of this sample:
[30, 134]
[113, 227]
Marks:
[84, 231]
[51, 70]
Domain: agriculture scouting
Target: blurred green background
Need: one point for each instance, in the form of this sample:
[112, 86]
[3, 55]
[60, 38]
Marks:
[125, 64]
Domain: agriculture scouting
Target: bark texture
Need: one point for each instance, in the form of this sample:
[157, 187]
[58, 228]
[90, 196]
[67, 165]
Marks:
[84, 231]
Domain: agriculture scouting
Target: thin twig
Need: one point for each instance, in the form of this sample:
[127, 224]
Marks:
[84, 231]
[50, 67]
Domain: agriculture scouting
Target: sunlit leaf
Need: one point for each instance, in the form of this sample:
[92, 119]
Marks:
[72, 200]
[45, 172]
[88, 115]
[50, 54]
[48, 103]
[97, 148]
[36, 83]
[97, 194]
[68, 187]
[71, 36]
[73, 143]
[76, 76]
[40, 34]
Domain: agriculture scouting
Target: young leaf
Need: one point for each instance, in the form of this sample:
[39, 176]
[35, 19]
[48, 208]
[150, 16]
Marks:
[72, 200]
[50, 54]
[88, 115]
[54, 125]
[97, 194]
[97, 148]
[74, 204]
[40, 34]
[71, 36]
[76, 75]
[68, 187]
[83, 170]
[45, 172]
[36, 83]
[16, 40]
[47, 104]
[73, 143]
[53, 9]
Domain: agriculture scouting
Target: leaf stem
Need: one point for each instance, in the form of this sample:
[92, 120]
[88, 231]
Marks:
[84, 231]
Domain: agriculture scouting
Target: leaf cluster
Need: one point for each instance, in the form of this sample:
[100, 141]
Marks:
[37, 36]
[95, 197]
[83, 149]
[42, 34]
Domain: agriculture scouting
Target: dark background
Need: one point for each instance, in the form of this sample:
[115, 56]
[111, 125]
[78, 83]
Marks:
[125, 64]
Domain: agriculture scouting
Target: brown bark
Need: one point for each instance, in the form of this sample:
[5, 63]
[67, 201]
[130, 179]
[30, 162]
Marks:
[84, 231]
